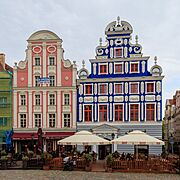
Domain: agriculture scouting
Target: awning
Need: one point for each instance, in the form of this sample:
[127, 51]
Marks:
[47, 135]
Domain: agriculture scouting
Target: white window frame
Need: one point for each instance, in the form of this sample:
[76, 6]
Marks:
[54, 60]
[36, 99]
[50, 99]
[122, 68]
[139, 105]
[154, 111]
[99, 113]
[130, 67]
[115, 88]
[36, 119]
[64, 120]
[99, 89]
[52, 75]
[35, 60]
[24, 120]
[54, 120]
[22, 100]
[38, 84]
[130, 87]
[65, 100]
[114, 112]
[115, 52]
[146, 83]
[85, 88]
[99, 64]
[84, 113]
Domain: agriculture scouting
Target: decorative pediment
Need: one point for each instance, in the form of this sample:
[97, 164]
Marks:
[44, 35]
[105, 128]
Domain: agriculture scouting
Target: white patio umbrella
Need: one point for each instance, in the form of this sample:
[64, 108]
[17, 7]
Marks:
[137, 138]
[83, 138]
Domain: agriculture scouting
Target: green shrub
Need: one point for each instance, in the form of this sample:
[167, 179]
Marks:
[109, 160]
[25, 158]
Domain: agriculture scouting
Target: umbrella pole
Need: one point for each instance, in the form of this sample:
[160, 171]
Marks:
[136, 152]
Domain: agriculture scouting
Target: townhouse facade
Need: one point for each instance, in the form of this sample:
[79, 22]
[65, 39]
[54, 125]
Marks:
[120, 94]
[5, 100]
[44, 93]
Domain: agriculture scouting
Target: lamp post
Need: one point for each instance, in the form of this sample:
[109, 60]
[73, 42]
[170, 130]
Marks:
[32, 138]
[112, 135]
[171, 140]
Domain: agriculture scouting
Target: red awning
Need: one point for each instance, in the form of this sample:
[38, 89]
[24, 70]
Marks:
[47, 135]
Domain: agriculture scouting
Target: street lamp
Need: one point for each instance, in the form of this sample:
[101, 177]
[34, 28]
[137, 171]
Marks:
[112, 136]
[32, 137]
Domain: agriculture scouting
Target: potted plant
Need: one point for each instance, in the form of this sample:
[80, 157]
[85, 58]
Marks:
[47, 158]
[25, 161]
[30, 154]
[4, 161]
[88, 159]
[109, 162]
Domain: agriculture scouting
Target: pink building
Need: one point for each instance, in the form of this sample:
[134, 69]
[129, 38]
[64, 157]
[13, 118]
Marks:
[44, 93]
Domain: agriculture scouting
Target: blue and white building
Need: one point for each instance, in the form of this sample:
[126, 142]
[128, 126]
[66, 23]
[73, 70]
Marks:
[120, 94]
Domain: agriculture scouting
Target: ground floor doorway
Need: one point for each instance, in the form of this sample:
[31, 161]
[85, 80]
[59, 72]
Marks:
[104, 150]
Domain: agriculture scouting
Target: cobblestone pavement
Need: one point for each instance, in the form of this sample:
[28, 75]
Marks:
[77, 175]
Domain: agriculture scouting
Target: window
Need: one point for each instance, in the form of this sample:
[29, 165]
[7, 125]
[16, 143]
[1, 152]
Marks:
[118, 52]
[134, 88]
[52, 80]
[37, 118]
[150, 87]
[103, 88]
[88, 89]
[51, 61]
[67, 120]
[87, 113]
[37, 100]
[118, 112]
[134, 112]
[23, 120]
[37, 80]
[37, 61]
[150, 112]
[51, 120]
[23, 100]
[134, 67]
[103, 69]
[66, 99]
[51, 99]
[118, 89]
[102, 113]
[3, 121]
[3, 102]
[118, 68]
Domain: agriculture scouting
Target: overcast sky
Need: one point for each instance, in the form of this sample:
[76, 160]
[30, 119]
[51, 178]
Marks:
[80, 23]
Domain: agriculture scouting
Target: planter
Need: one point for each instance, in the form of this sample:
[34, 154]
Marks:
[109, 169]
[4, 164]
[46, 167]
[24, 164]
[88, 168]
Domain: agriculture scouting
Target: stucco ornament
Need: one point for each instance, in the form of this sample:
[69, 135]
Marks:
[22, 64]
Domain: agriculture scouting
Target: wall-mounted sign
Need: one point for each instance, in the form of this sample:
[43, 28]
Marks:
[44, 80]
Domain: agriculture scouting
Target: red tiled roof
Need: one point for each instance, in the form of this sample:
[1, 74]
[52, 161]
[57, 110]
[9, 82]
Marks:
[8, 68]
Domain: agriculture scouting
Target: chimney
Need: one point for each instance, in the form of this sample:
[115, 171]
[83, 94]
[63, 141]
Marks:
[2, 60]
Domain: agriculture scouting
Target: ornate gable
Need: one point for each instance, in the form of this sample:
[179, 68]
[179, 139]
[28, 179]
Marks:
[105, 128]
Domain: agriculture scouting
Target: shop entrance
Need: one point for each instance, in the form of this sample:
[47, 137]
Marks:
[104, 150]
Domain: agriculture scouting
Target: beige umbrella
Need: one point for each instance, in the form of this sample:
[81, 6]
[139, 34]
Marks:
[137, 138]
[83, 138]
